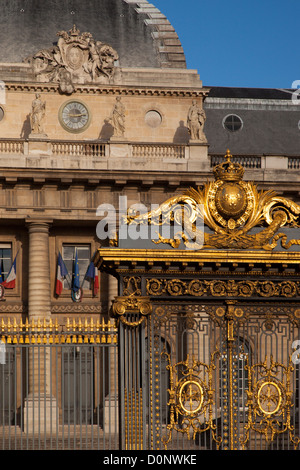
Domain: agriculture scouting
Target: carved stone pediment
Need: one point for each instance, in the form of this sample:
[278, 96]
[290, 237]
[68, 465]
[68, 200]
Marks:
[76, 59]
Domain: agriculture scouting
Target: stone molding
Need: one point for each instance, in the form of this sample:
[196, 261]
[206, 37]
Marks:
[164, 35]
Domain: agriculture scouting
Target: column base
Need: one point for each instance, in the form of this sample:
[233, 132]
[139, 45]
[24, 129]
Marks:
[40, 415]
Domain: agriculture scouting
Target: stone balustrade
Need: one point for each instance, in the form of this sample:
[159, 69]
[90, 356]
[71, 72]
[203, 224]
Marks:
[158, 151]
[86, 149]
[113, 154]
[12, 146]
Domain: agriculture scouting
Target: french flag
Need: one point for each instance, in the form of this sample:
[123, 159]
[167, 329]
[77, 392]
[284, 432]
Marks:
[92, 274]
[10, 282]
[96, 281]
[61, 274]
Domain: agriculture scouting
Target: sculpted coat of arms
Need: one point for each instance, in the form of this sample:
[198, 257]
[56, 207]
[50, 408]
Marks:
[76, 58]
[230, 208]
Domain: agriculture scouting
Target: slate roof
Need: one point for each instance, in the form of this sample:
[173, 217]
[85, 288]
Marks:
[142, 36]
[270, 121]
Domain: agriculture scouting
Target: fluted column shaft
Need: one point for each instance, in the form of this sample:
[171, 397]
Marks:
[39, 298]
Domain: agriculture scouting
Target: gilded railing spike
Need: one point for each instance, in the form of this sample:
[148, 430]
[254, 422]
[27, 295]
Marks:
[49, 331]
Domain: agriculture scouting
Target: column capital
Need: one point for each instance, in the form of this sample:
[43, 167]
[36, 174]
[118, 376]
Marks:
[38, 225]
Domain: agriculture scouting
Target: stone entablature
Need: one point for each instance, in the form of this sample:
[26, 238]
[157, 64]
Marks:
[151, 113]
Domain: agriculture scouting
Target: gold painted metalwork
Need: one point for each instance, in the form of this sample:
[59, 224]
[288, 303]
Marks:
[223, 288]
[133, 419]
[269, 401]
[43, 331]
[132, 285]
[230, 208]
[231, 318]
[144, 260]
[191, 398]
[138, 306]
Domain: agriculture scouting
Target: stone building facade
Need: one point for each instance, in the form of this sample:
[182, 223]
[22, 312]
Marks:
[96, 104]
[56, 170]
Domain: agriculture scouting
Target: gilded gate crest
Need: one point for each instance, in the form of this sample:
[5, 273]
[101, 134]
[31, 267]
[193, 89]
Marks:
[230, 208]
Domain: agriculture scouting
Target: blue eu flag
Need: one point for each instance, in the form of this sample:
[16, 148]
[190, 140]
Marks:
[76, 283]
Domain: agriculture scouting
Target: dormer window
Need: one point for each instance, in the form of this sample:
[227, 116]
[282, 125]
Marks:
[232, 123]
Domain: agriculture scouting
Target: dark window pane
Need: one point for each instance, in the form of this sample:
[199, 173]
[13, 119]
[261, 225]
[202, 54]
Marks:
[233, 123]
[84, 256]
[5, 260]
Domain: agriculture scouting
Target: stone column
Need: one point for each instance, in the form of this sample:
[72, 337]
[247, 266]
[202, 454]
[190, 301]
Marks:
[39, 298]
[40, 408]
[111, 408]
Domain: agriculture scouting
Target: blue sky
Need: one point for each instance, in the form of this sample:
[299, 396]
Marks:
[239, 43]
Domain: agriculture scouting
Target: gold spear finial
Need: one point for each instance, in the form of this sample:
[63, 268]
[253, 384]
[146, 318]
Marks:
[228, 156]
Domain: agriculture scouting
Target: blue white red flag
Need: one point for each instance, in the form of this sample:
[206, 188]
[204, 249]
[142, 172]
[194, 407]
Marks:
[93, 275]
[10, 281]
[62, 272]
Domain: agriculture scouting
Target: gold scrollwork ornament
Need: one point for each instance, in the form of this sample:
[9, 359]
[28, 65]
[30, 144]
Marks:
[191, 398]
[269, 401]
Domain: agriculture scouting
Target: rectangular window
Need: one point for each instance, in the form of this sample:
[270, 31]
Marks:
[84, 259]
[5, 259]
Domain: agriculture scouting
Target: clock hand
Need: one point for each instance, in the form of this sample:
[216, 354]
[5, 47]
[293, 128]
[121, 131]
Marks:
[77, 115]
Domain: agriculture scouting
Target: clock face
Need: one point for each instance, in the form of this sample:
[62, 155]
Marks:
[74, 116]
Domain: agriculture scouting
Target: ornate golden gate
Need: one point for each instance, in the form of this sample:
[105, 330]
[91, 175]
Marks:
[209, 320]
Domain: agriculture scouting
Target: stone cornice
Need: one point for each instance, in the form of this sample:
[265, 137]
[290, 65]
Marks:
[35, 87]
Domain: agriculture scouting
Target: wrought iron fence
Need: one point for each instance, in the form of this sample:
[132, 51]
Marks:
[58, 385]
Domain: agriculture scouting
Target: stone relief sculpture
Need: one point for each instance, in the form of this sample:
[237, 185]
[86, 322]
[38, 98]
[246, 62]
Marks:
[77, 58]
[195, 122]
[37, 115]
[117, 118]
